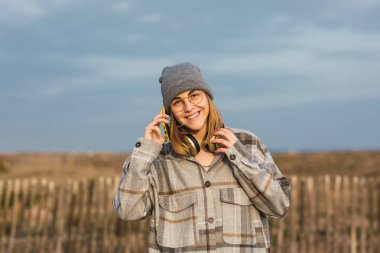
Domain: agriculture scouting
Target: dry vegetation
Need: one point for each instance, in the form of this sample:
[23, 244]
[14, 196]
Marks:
[363, 163]
[60, 166]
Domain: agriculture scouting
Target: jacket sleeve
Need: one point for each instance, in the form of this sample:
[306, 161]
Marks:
[133, 199]
[259, 176]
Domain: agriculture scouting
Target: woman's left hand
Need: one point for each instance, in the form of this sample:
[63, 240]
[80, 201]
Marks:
[228, 139]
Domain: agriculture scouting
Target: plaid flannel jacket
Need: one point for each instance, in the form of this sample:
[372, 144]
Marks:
[223, 209]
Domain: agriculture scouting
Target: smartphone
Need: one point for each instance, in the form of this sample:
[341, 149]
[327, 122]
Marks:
[165, 126]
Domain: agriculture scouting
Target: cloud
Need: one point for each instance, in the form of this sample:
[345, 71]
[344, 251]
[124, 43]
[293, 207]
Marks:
[315, 78]
[285, 99]
[317, 64]
[98, 71]
[21, 11]
[14, 9]
[121, 7]
[349, 9]
[303, 65]
[124, 68]
[332, 39]
[308, 36]
[308, 51]
[151, 18]
[102, 71]
[310, 57]
[355, 4]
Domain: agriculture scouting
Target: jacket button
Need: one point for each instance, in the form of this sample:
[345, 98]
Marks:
[138, 144]
[210, 220]
[232, 157]
[207, 183]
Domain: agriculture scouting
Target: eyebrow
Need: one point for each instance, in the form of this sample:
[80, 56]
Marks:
[187, 94]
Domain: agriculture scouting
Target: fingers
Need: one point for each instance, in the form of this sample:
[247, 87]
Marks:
[153, 127]
[226, 133]
[221, 141]
[156, 130]
[154, 133]
[161, 115]
[221, 150]
[160, 118]
[152, 130]
[228, 139]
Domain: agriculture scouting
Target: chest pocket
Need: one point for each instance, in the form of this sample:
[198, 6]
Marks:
[241, 220]
[177, 220]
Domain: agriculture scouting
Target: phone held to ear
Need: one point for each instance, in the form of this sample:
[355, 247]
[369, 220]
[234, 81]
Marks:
[165, 126]
[190, 140]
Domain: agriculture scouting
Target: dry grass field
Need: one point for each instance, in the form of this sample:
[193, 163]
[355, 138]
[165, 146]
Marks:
[359, 163]
[61, 166]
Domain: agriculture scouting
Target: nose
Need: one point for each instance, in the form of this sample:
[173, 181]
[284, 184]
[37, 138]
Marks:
[188, 105]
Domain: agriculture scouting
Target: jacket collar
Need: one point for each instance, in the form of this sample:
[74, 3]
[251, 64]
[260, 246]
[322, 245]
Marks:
[180, 158]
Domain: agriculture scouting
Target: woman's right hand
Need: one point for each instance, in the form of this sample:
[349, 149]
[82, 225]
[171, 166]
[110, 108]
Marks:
[153, 132]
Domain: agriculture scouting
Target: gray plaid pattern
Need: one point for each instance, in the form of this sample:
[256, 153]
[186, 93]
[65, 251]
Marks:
[222, 210]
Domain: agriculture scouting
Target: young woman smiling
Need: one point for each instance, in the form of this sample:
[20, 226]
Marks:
[211, 188]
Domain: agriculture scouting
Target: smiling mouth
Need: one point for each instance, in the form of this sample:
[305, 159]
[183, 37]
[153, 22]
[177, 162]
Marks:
[192, 116]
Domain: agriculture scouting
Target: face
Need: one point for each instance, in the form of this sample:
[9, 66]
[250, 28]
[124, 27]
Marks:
[194, 114]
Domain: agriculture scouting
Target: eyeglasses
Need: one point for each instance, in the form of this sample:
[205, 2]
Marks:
[195, 97]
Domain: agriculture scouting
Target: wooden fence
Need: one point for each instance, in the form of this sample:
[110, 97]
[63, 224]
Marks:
[328, 214]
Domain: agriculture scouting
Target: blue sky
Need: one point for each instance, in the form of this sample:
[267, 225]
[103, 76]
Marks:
[83, 75]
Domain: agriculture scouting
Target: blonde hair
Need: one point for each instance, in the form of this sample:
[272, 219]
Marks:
[214, 122]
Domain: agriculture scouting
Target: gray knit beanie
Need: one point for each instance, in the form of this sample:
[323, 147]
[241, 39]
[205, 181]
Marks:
[179, 78]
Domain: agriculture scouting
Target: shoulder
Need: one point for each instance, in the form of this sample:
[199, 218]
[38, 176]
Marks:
[245, 136]
[249, 138]
[167, 153]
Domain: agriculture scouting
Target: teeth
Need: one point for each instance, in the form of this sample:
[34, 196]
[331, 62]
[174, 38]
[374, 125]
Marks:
[193, 115]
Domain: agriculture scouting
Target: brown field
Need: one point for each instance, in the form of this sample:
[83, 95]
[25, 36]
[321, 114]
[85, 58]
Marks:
[61, 166]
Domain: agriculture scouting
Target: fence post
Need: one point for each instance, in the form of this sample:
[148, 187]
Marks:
[341, 214]
[3, 215]
[294, 215]
[329, 214]
[15, 211]
[363, 211]
[353, 214]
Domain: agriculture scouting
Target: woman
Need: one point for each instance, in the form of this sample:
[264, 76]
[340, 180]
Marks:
[212, 198]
